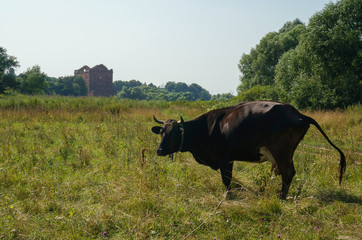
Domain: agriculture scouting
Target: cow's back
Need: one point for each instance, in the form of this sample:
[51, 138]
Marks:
[251, 115]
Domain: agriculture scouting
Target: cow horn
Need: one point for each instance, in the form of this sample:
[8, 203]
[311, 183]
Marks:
[158, 121]
[181, 121]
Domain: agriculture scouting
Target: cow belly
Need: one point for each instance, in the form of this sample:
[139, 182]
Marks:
[266, 155]
[255, 155]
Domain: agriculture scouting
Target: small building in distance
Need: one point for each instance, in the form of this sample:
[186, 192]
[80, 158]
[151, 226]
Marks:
[98, 79]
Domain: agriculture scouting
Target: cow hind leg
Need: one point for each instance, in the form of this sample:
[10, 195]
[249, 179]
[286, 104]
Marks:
[285, 160]
[287, 171]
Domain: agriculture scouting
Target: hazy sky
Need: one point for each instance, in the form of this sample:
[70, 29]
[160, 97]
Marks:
[153, 41]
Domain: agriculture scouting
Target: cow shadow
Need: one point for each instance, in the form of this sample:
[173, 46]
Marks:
[325, 195]
[239, 192]
[331, 195]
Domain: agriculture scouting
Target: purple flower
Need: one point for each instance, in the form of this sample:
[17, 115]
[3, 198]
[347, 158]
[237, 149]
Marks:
[261, 236]
[278, 236]
[104, 233]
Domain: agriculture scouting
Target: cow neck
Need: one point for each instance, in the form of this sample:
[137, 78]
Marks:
[190, 135]
[182, 129]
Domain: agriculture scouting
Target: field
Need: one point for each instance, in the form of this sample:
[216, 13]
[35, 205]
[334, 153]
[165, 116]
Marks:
[71, 168]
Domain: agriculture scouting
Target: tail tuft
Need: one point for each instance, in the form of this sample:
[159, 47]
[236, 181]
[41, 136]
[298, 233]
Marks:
[342, 167]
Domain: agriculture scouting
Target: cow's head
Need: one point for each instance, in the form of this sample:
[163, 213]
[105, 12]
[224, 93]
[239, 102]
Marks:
[172, 136]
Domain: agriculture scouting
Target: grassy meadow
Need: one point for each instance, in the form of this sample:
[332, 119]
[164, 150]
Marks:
[72, 168]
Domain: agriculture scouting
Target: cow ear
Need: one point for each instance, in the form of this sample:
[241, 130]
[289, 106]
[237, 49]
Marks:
[182, 120]
[156, 130]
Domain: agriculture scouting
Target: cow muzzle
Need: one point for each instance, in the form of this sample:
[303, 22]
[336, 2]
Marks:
[161, 152]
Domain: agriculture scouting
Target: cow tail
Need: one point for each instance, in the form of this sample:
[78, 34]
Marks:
[342, 163]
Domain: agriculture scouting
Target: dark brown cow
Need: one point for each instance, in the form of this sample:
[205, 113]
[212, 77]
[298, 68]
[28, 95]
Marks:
[253, 131]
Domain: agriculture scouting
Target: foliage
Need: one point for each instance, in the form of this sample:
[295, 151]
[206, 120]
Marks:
[33, 81]
[89, 181]
[258, 93]
[258, 67]
[67, 86]
[172, 92]
[222, 97]
[118, 85]
[7, 71]
[318, 66]
[324, 71]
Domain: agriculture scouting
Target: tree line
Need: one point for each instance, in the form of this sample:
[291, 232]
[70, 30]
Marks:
[316, 66]
[34, 81]
[172, 91]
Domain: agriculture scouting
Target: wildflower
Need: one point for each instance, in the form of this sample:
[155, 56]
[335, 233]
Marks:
[278, 236]
[104, 233]
[261, 236]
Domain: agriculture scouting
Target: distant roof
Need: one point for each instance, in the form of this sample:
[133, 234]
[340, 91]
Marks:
[85, 68]
[98, 67]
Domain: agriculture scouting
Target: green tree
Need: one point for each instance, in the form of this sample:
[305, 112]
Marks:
[258, 92]
[118, 85]
[7, 71]
[222, 97]
[81, 88]
[258, 67]
[70, 86]
[324, 71]
[172, 92]
[33, 81]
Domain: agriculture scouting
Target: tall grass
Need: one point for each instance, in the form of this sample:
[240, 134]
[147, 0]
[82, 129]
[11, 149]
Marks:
[71, 168]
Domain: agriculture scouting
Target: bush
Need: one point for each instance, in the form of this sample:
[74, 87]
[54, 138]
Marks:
[259, 93]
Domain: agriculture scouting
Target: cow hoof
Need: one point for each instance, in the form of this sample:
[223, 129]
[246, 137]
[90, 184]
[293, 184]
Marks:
[282, 196]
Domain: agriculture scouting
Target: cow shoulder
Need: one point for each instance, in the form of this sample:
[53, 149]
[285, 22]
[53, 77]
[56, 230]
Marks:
[213, 119]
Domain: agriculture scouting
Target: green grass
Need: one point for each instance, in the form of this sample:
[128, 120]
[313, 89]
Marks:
[71, 168]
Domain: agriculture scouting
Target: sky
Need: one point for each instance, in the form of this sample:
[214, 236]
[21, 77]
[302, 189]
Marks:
[153, 41]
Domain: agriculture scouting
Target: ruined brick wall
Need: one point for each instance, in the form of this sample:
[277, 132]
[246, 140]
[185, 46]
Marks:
[83, 72]
[98, 79]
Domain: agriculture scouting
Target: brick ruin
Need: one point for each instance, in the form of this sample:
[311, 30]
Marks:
[98, 79]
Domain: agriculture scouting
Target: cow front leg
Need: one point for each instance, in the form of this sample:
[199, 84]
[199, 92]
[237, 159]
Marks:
[226, 174]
